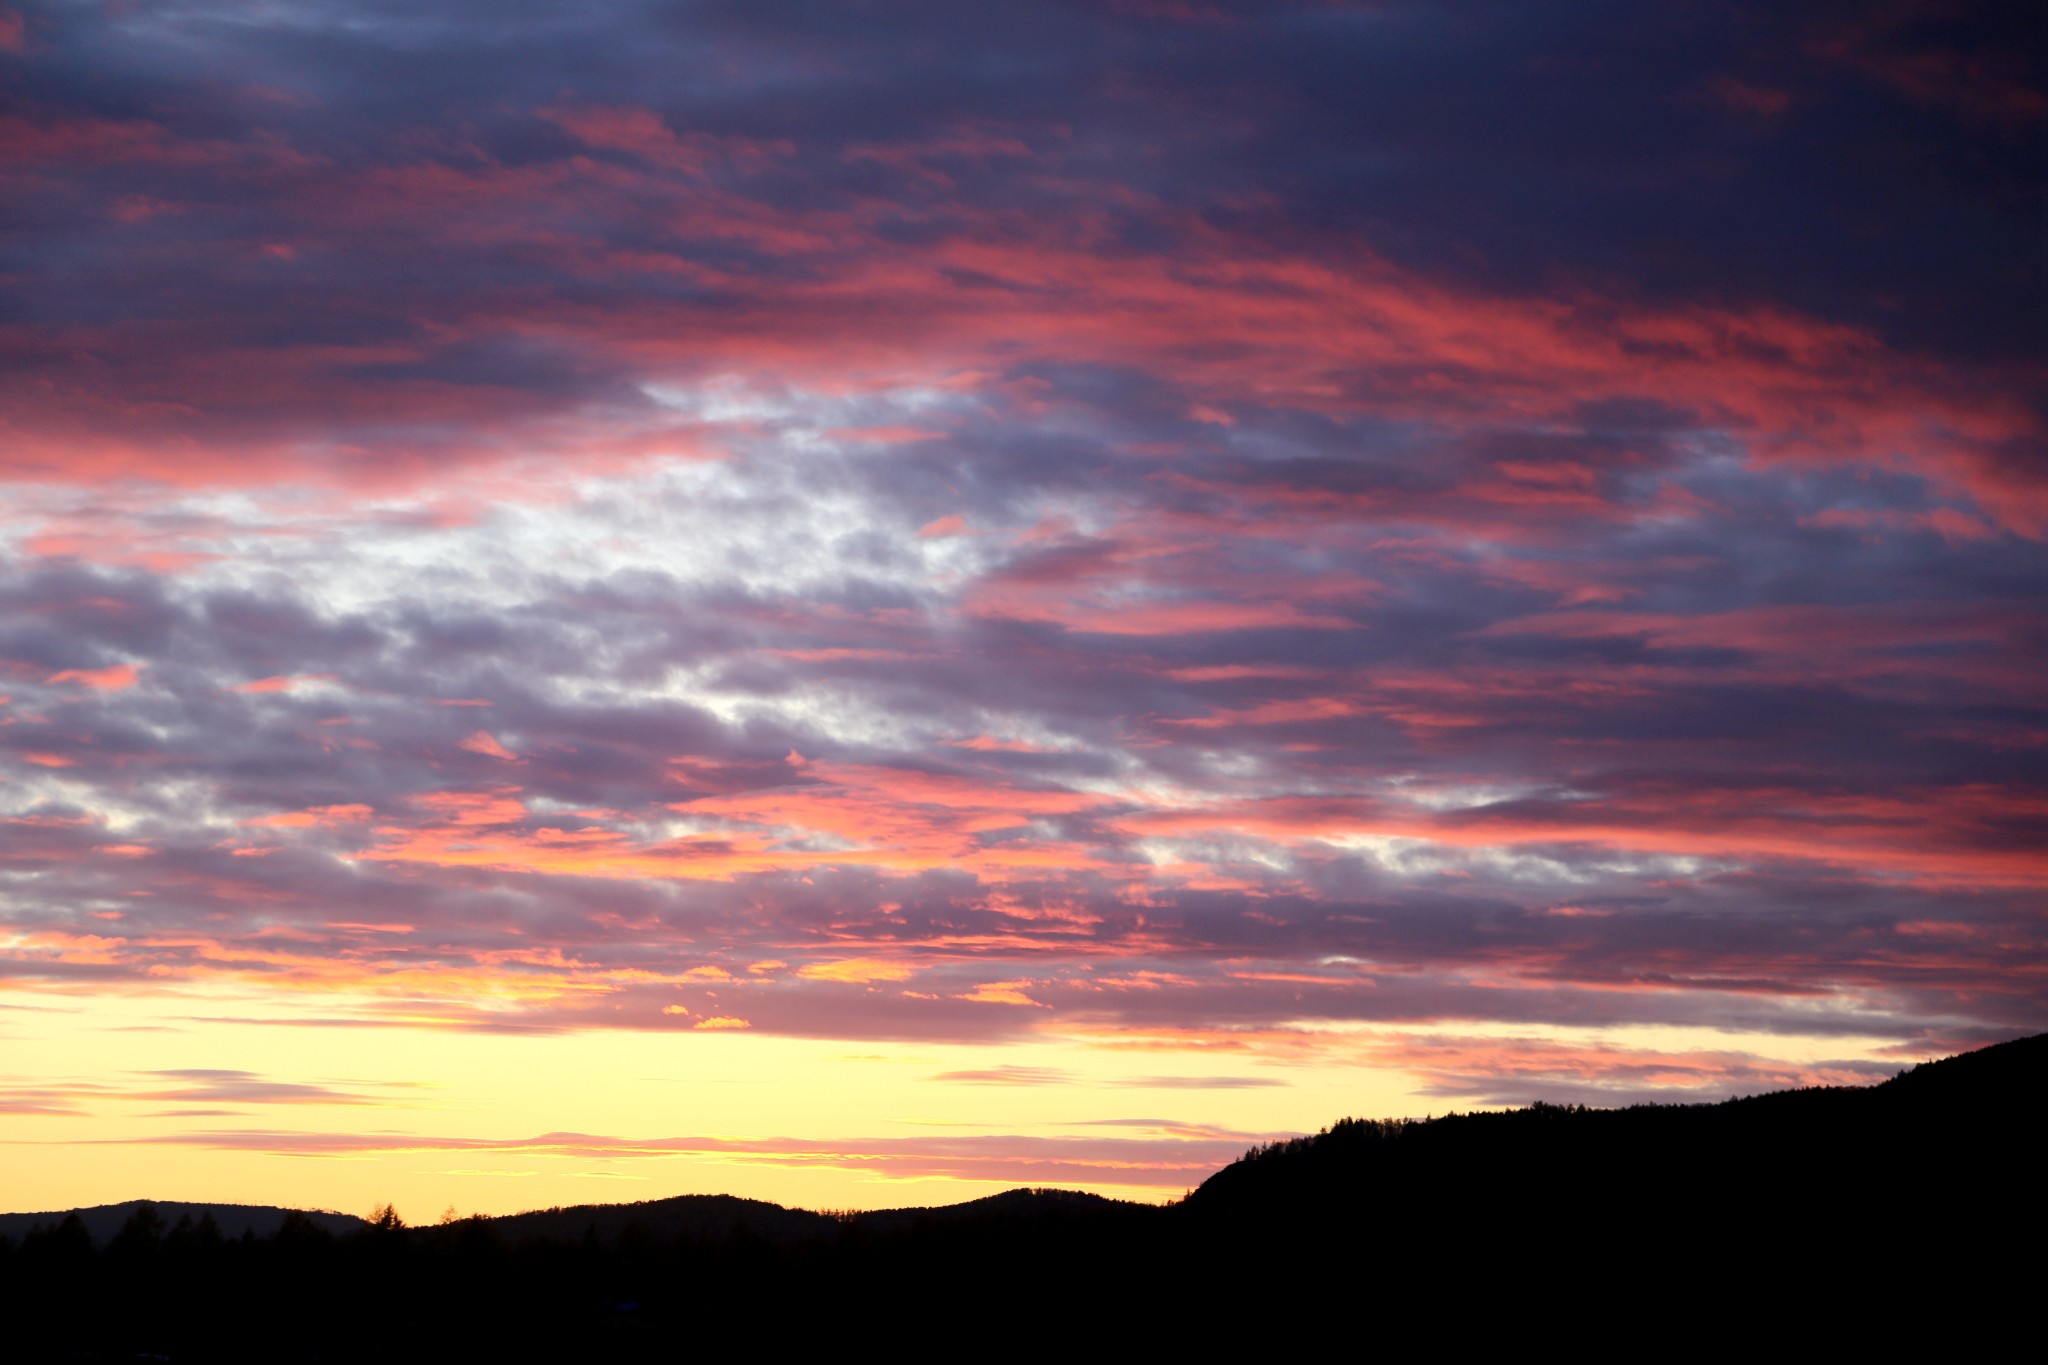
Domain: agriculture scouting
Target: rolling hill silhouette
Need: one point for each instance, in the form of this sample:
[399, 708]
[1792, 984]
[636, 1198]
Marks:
[690, 1215]
[1032, 1205]
[104, 1221]
[1827, 1217]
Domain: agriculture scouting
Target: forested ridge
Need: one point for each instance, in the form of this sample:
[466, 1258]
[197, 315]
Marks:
[1901, 1196]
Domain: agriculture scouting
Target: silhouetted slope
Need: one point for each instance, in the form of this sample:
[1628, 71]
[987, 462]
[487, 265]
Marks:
[1837, 1144]
[102, 1222]
[1917, 1198]
[2005, 1078]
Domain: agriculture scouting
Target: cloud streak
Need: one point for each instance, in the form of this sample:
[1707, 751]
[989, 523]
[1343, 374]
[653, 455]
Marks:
[1155, 1160]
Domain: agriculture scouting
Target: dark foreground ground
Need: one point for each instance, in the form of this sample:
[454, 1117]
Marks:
[1908, 1213]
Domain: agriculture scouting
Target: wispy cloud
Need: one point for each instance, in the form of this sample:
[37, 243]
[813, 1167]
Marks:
[228, 1091]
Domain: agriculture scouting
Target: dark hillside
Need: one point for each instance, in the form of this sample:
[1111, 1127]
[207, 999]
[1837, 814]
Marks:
[2004, 1078]
[1930, 1183]
[1837, 1144]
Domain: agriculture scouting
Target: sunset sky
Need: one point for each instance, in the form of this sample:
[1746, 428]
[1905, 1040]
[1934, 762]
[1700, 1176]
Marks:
[861, 604]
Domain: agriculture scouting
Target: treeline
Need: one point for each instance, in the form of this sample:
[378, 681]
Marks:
[1835, 1215]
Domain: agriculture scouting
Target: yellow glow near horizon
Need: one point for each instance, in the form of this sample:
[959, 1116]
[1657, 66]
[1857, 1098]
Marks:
[432, 1118]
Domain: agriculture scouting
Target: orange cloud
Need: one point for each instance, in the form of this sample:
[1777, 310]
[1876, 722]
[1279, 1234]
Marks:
[858, 970]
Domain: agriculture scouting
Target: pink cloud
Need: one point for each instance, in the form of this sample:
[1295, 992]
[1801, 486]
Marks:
[484, 742]
[952, 525]
[282, 682]
[114, 678]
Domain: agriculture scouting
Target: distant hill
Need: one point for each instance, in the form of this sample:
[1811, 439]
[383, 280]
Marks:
[1023, 1204]
[697, 1216]
[103, 1221]
[709, 1217]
